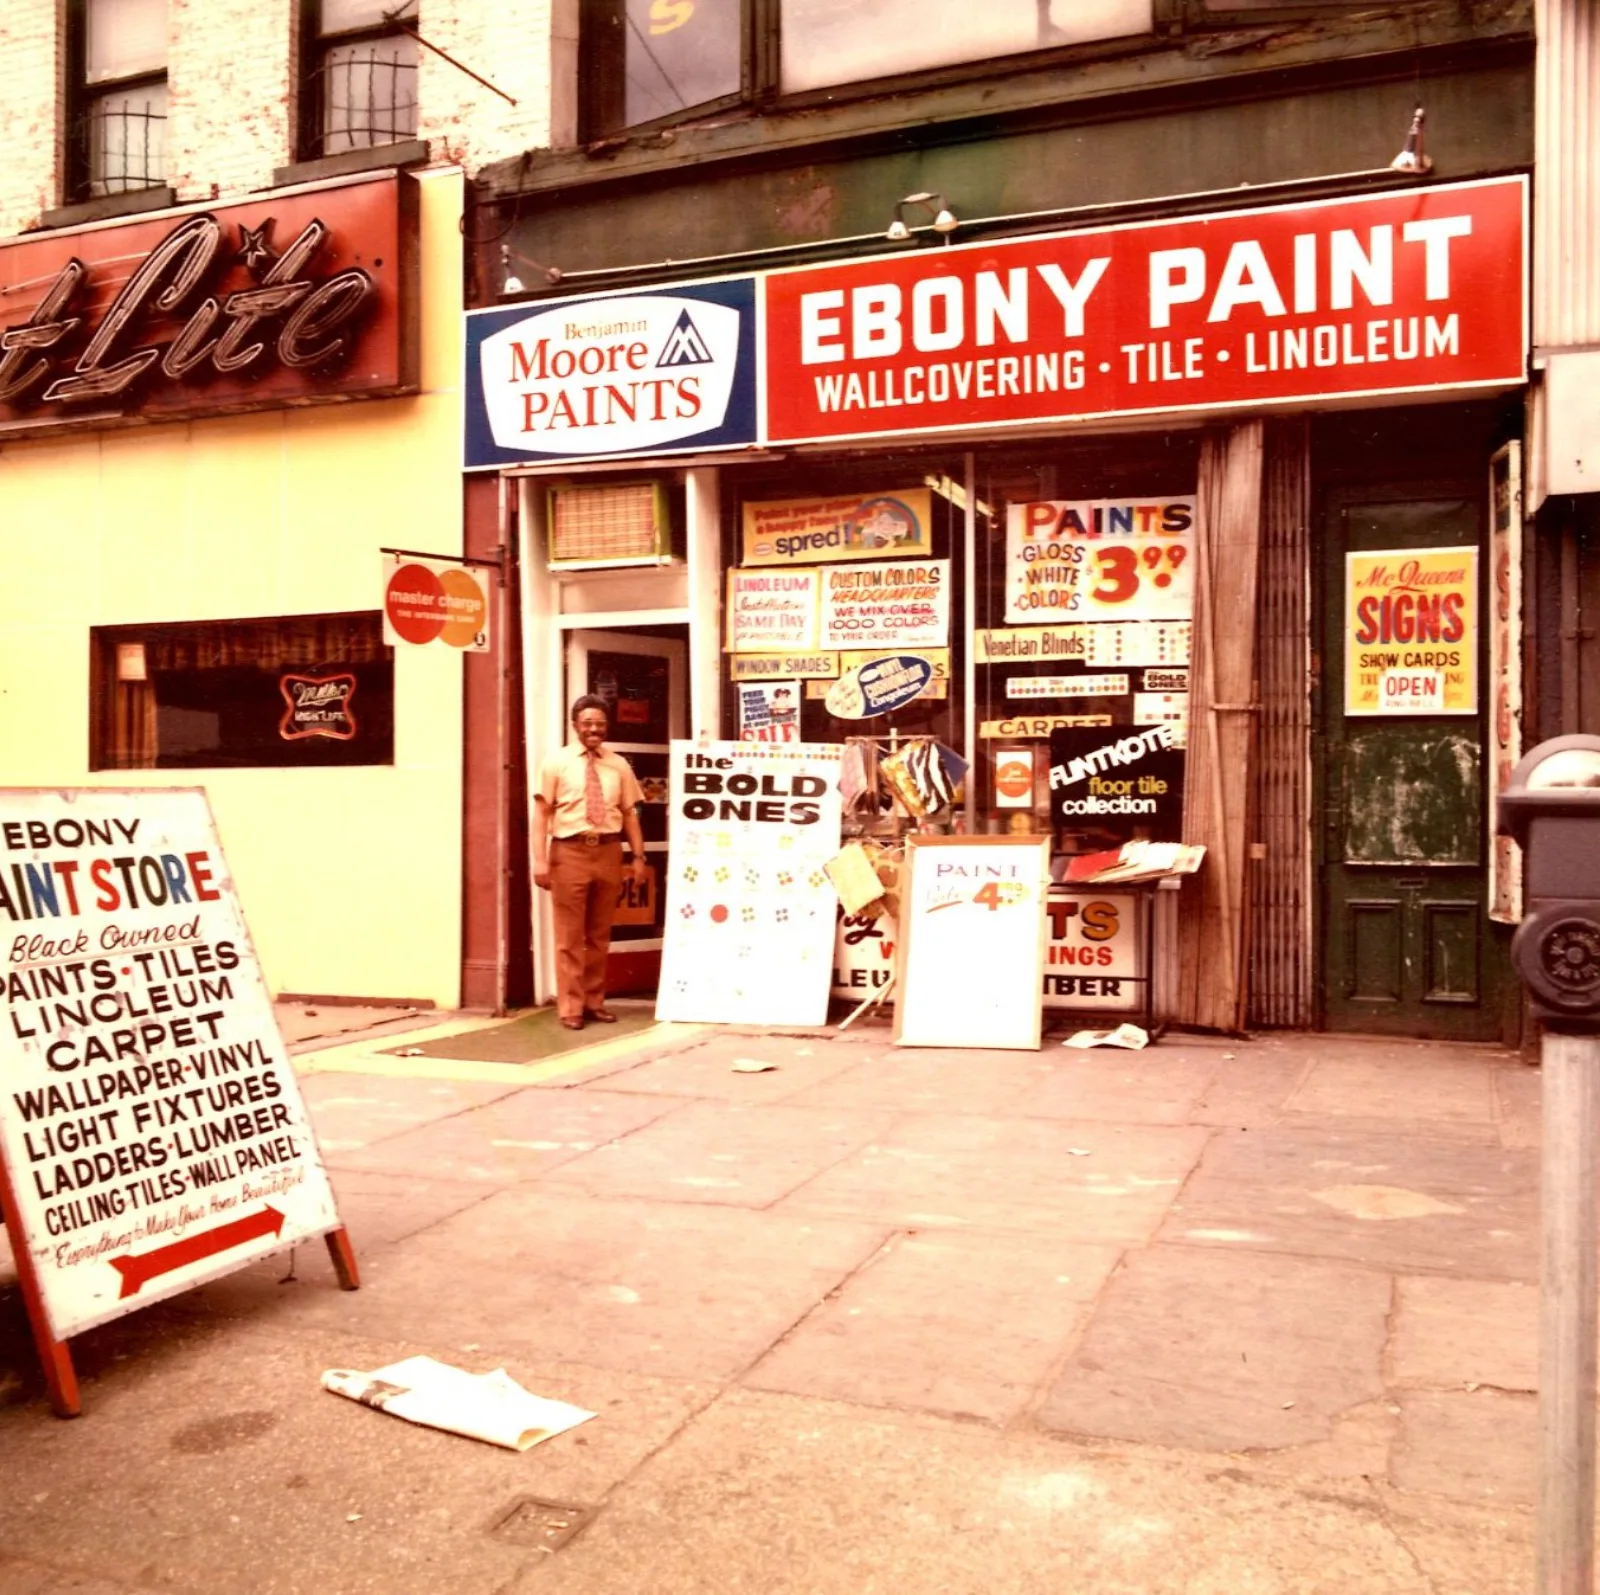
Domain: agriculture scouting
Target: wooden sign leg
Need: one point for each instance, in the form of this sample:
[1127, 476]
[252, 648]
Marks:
[60, 1379]
[344, 1259]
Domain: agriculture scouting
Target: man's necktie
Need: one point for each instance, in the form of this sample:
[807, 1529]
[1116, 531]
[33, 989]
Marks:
[594, 800]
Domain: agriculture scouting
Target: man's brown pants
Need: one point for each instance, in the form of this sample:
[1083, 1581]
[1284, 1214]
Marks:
[585, 881]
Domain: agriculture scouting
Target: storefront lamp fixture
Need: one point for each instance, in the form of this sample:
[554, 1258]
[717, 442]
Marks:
[1412, 157]
[944, 220]
[511, 283]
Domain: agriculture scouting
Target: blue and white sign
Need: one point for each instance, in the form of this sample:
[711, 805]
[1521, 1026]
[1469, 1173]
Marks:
[658, 372]
[878, 686]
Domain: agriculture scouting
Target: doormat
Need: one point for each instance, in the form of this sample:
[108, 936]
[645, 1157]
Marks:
[534, 1036]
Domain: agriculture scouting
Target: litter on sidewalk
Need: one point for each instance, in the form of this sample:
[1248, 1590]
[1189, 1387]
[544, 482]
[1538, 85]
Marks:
[488, 1406]
[1129, 1036]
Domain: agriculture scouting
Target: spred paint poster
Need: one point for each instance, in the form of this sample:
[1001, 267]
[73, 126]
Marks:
[750, 911]
[151, 1124]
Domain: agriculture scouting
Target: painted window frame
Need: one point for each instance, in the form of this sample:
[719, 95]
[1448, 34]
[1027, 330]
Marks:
[80, 180]
[317, 46]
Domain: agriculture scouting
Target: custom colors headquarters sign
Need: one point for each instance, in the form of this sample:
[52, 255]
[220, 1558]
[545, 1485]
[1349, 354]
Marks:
[303, 298]
[152, 1132]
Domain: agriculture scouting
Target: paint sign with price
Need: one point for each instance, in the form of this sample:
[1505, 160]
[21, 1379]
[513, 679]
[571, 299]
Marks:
[1100, 559]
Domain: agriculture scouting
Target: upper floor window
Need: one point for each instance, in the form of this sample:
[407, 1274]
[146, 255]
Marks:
[361, 78]
[650, 59]
[117, 129]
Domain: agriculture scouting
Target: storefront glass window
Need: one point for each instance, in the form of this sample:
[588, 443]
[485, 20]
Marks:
[840, 41]
[301, 690]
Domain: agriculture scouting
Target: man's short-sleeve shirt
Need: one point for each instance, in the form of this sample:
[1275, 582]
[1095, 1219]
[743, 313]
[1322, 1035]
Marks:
[562, 784]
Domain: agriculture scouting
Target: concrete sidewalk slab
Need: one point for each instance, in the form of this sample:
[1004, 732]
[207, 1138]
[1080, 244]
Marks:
[1096, 1182]
[739, 1153]
[834, 1502]
[1392, 1197]
[1224, 1353]
[515, 1137]
[947, 1323]
[681, 1291]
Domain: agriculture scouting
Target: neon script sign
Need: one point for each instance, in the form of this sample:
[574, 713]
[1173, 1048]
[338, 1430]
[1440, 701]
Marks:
[307, 323]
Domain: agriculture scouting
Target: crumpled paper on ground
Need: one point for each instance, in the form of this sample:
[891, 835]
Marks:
[1130, 1036]
[486, 1406]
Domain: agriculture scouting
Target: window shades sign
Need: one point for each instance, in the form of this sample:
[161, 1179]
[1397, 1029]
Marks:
[151, 1126]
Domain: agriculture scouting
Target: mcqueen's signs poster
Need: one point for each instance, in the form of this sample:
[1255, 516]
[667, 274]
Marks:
[1414, 291]
[151, 1125]
[1411, 644]
[302, 298]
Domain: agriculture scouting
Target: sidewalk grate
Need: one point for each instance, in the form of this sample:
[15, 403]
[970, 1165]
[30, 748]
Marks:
[548, 1525]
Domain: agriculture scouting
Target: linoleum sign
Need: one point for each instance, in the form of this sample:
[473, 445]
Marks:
[1386, 293]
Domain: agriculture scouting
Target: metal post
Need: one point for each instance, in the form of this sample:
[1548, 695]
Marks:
[1567, 1313]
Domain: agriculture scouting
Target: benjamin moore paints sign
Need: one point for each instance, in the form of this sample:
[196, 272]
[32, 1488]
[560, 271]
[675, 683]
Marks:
[1414, 291]
[622, 374]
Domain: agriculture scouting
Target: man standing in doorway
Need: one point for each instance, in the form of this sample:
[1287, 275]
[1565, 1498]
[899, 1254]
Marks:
[585, 801]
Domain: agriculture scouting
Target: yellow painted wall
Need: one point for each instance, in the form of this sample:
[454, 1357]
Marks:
[350, 878]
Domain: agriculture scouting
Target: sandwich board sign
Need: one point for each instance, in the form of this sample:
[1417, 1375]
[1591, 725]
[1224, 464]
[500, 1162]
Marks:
[152, 1132]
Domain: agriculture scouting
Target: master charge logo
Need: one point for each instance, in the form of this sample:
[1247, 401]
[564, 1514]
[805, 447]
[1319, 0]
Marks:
[611, 376]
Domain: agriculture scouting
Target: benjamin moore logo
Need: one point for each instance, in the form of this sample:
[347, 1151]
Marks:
[611, 376]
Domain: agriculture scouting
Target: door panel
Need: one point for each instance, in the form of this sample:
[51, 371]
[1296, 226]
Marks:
[1411, 795]
[643, 679]
[1402, 914]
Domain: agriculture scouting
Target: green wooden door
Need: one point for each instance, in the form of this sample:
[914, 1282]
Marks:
[1405, 944]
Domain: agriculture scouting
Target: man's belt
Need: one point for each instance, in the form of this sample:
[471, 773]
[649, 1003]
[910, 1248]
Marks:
[592, 838]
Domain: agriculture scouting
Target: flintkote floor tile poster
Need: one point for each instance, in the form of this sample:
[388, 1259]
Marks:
[749, 910]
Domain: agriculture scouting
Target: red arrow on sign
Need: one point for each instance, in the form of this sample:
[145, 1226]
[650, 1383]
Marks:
[145, 1266]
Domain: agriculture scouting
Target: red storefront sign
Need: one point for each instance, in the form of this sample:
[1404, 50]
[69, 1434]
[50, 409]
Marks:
[297, 299]
[1403, 292]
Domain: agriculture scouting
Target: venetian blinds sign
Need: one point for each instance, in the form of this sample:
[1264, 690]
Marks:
[151, 1126]
[1382, 293]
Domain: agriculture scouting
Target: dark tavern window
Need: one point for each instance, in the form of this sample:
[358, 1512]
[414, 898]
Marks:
[117, 97]
[296, 691]
[360, 79]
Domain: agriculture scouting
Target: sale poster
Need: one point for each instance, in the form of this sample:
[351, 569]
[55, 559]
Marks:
[806, 531]
[772, 610]
[748, 935]
[769, 711]
[1411, 631]
[894, 605]
[151, 1124]
[1100, 559]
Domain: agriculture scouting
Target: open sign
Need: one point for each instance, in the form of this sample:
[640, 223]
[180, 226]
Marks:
[1411, 691]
